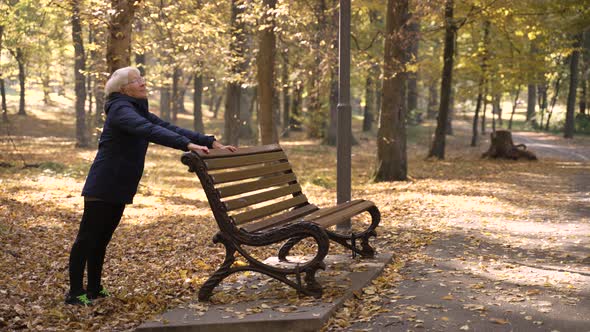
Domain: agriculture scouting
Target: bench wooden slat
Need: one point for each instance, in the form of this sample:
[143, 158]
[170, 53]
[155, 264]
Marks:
[280, 219]
[268, 182]
[250, 173]
[238, 161]
[216, 153]
[261, 197]
[325, 211]
[341, 215]
[264, 211]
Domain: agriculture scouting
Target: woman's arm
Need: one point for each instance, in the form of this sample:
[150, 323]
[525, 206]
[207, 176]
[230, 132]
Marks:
[127, 119]
[195, 137]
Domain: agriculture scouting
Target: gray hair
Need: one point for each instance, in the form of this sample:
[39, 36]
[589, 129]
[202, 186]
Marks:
[119, 78]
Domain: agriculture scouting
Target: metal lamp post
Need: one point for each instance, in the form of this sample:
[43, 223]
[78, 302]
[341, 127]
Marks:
[343, 155]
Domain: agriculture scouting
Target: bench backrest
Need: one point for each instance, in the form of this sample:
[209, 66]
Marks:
[248, 185]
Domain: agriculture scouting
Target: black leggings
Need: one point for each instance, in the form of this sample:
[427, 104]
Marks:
[99, 221]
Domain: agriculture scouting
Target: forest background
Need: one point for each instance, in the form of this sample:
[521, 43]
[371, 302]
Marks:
[425, 76]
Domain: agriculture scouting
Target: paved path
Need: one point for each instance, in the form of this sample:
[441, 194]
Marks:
[512, 275]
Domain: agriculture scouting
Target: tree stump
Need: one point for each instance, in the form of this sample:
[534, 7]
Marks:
[503, 147]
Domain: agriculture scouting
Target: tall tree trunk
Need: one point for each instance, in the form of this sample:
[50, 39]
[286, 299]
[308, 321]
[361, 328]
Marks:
[231, 131]
[79, 68]
[391, 143]
[20, 59]
[438, 144]
[197, 103]
[119, 36]
[514, 105]
[266, 62]
[286, 95]
[175, 106]
[568, 130]
[2, 87]
[414, 32]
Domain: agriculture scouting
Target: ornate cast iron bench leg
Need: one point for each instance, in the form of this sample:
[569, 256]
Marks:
[346, 240]
[224, 270]
[308, 270]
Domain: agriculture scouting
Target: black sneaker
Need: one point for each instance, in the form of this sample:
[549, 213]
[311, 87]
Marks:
[101, 294]
[78, 300]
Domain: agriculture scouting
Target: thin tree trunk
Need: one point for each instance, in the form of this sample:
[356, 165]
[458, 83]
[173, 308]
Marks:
[315, 114]
[197, 103]
[20, 59]
[514, 104]
[438, 144]
[2, 87]
[482, 83]
[532, 91]
[140, 57]
[391, 143]
[119, 36]
[474, 135]
[483, 114]
[432, 100]
[175, 105]
[248, 101]
[165, 101]
[266, 62]
[531, 102]
[369, 103]
[332, 55]
[295, 122]
[568, 130]
[79, 68]
[542, 100]
[553, 102]
[583, 96]
[286, 96]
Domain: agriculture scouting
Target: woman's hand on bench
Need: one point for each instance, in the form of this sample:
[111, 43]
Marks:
[217, 145]
[196, 148]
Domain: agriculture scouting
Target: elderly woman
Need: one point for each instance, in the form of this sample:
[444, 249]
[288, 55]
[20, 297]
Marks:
[115, 173]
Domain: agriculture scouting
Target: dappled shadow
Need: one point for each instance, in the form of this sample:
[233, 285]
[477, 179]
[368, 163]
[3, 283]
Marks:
[469, 280]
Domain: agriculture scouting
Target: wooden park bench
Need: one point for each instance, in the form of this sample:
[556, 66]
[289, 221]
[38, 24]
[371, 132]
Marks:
[237, 182]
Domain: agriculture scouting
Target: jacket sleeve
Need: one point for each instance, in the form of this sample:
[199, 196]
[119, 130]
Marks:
[128, 120]
[194, 136]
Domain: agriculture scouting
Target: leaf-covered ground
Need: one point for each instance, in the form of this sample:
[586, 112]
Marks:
[162, 251]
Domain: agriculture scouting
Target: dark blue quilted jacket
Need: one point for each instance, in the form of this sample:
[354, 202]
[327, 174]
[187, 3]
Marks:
[128, 129]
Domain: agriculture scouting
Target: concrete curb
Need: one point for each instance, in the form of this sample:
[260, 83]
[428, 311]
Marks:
[203, 317]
